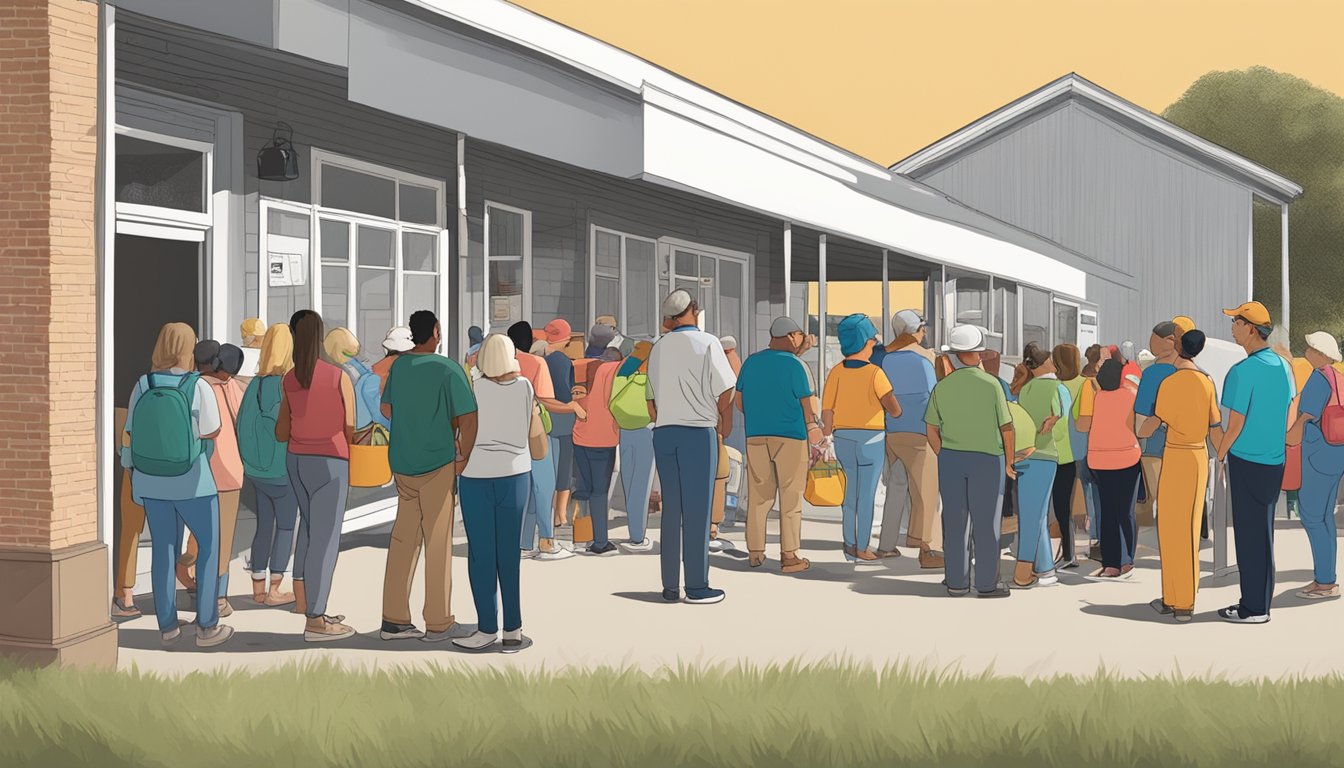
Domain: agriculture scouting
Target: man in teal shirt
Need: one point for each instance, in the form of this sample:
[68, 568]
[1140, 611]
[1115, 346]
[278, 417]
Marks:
[429, 400]
[1259, 391]
[774, 395]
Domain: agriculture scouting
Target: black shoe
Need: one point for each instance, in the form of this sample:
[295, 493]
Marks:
[605, 550]
[999, 591]
[392, 631]
[1238, 615]
[1160, 607]
[672, 595]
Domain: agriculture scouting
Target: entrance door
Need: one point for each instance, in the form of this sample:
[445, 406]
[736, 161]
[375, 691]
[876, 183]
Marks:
[719, 284]
[1066, 322]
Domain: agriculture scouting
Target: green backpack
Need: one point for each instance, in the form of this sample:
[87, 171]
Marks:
[164, 442]
[545, 417]
[263, 456]
[629, 401]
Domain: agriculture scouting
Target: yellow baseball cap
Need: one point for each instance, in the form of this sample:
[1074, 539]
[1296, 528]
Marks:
[1252, 312]
[1184, 323]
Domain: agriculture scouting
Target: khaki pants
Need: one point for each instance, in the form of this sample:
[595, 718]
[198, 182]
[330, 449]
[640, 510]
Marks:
[424, 515]
[1145, 513]
[228, 523]
[921, 470]
[128, 537]
[720, 501]
[775, 465]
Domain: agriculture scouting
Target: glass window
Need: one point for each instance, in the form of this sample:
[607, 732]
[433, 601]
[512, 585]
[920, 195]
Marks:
[335, 241]
[420, 292]
[373, 306]
[731, 295]
[506, 293]
[1035, 317]
[641, 305]
[149, 173]
[685, 263]
[608, 254]
[374, 247]
[1066, 324]
[359, 192]
[418, 205]
[972, 300]
[506, 234]
[335, 296]
[607, 296]
[1005, 315]
[419, 252]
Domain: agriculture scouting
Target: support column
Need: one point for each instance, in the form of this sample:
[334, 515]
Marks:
[821, 310]
[1283, 289]
[1250, 250]
[52, 562]
[886, 299]
[788, 269]
[464, 243]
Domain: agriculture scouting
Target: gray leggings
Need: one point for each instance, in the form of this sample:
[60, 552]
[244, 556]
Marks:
[321, 484]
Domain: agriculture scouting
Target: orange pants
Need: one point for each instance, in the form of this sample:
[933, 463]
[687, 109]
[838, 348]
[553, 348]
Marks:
[1180, 504]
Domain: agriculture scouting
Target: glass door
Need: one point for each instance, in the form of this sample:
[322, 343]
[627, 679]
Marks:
[719, 284]
[1066, 322]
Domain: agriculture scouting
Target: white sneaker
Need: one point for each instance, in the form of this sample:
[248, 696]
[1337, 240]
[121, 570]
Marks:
[559, 553]
[1048, 580]
[478, 641]
[720, 545]
[529, 554]
[638, 546]
[216, 635]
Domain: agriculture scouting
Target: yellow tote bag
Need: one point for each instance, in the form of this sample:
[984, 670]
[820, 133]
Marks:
[825, 485]
[369, 467]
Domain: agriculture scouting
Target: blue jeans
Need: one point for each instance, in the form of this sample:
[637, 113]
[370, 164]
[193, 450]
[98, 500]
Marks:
[321, 484]
[687, 459]
[862, 453]
[277, 514]
[637, 479]
[201, 517]
[539, 521]
[1322, 466]
[971, 487]
[1255, 492]
[595, 466]
[492, 511]
[1035, 481]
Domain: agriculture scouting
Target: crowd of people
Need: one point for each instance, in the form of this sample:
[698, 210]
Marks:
[527, 434]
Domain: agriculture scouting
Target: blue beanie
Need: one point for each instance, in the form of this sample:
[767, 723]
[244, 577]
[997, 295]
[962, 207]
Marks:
[855, 331]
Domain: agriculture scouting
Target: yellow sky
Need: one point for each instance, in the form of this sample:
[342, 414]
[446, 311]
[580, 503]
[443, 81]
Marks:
[884, 78]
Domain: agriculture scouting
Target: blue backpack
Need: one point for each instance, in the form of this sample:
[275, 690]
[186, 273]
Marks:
[164, 442]
[263, 456]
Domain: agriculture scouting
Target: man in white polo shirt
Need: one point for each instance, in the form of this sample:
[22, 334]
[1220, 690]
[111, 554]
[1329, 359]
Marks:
[690, 395]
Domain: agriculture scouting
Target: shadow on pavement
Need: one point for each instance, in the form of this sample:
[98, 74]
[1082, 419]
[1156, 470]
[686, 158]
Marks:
[642, 597]
[1142, 612]
[268, 642]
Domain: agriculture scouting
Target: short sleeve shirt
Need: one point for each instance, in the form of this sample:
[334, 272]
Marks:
[772, 383]
[197, 481]
[426, 392]
[1023, 427]
[1188, 406]
[1146, 401]
[1261, 389]
[534, 369]
[853, 393]
[912, 380]
[1112, 443]
[600, 430]
[561, 369]
[688, 372]
[1041, 398]
[968, 407]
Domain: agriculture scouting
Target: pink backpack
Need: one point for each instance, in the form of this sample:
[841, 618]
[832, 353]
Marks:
[1332, 419]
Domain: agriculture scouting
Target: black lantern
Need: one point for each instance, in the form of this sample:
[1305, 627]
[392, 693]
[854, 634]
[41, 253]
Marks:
[279, 161]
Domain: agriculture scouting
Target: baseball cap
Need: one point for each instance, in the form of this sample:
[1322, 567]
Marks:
[1184, 323]
[783, 326]
[728, 343]
[398, 339]
[1325, 344]
[965, 338]
[1252, 312]
[906, 321]
[676, 303]
[557, 330]
[853, 332]
[475, 335]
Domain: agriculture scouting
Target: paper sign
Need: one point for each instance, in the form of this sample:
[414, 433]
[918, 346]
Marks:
[285, 269]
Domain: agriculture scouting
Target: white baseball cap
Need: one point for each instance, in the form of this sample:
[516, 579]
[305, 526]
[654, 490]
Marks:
[906, 321]
[965, 338]
[398, 340]
[1325, 344]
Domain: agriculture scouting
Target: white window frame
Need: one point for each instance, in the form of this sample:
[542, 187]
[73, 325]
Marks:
[322, 157]
[173, 217]
[622, 314]
[667, 278]
[487, 258]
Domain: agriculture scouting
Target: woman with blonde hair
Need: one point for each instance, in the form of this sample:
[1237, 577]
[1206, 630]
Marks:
[342, 349]
[264, 466]
[496, 463]
[171, 478]
[317, 420]
[253, 332]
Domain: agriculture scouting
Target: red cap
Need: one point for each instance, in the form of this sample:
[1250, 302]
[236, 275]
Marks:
[556, 331]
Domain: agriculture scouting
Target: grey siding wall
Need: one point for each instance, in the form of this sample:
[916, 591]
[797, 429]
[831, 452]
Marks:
[1179, 231]
[265, 86]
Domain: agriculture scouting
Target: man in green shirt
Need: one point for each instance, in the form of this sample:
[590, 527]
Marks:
[970, 428]
[429, 400]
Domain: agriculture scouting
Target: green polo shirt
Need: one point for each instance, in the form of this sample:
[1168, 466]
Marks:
[426, 393]
[968, 408]
[1040, 398]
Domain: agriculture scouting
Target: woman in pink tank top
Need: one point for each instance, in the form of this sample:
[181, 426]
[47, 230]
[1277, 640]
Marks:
[317, 418]
[1113, 455]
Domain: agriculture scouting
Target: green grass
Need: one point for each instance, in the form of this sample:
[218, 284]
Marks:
[792, 715]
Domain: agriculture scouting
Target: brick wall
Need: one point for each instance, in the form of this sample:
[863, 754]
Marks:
[48, 290]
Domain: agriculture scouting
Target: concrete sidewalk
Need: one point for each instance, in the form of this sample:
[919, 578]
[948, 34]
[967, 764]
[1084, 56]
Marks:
[608, 611]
